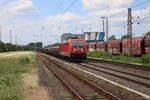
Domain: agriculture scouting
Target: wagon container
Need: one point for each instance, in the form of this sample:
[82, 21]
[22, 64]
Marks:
[114, 46]
[92, 46]
[137, 46]
[101, 46]
[147, 44]
[126, 46]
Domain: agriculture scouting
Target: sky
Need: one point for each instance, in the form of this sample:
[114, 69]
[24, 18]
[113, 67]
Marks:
[46, 20]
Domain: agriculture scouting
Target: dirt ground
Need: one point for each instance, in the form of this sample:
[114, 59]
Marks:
[33, 90]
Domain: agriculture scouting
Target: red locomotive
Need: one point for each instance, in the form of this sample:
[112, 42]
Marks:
[73, 48]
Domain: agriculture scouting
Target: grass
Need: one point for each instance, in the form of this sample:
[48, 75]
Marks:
[93, 96]
[144, 60]
[11, 68]
[56, 84]
[62, 91]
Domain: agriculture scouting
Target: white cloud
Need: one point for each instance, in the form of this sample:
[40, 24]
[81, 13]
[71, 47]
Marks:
[16, 7]
[31, 29]
[19, 5]
[92, 4]
[63, 17]
[70, 16]
[108, 12]
[142, 13]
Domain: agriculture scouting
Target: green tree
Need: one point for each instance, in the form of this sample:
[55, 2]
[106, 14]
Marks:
[148, 33]
[31, 46]
[39, 45]
[8, 47]
[1, 47]
[125, 36]
[112, 37]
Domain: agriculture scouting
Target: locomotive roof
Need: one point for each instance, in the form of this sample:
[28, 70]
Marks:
[75, 39]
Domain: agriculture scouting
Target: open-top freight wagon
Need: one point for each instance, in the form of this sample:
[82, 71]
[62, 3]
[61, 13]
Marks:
[137, 45]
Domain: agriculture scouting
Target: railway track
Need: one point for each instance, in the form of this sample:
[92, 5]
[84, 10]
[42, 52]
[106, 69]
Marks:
[133, 66]
[81, 88]
[141, 82]
[114, 73]
[136, 71]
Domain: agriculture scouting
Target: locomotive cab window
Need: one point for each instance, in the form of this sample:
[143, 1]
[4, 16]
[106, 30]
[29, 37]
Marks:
[77, 44]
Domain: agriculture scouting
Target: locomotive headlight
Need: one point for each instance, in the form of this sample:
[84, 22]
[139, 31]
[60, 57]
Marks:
[74, 50]
[82, 49]
[78, 49]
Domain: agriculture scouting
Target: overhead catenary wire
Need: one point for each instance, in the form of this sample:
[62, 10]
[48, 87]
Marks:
[58, 7]
[140, 21]
[67, 9]
[119, 13]
[139, 4]
[134, 6]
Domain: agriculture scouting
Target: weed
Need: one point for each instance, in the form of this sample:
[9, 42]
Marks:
[93, 96]
[145, 59]
[24, 60]
[125, 58]
[11, 68]
[69, 97]
[99, 54]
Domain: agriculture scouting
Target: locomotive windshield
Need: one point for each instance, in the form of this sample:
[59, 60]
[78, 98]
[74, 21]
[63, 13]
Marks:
[77, 44]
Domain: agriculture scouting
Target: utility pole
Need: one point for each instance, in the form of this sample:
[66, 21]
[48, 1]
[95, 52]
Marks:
[76, 28]
[10, 36]
[130, 33]
[103, 23]
[0, 34]
[107, 28]
[16, 39]
[82, 31]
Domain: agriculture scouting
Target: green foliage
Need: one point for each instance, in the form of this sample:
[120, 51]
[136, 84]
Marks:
[145, 59]
[99, 54]
[10, 76]
[39, 45]
[125, 36]
[69, 97]
[112, 37]
[148, 33]
[93, 96]
[24, 60]
[6, 47]
[8, 87]
[55, 44]
[125, 58]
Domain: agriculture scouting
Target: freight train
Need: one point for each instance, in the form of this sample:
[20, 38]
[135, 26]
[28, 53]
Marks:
[73, 48]
[139, 46]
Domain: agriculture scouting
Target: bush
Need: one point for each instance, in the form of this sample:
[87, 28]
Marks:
[24, 60]
[145, 59]
[99, 54]
[148, 33]
[93, 96]
[121, 57]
